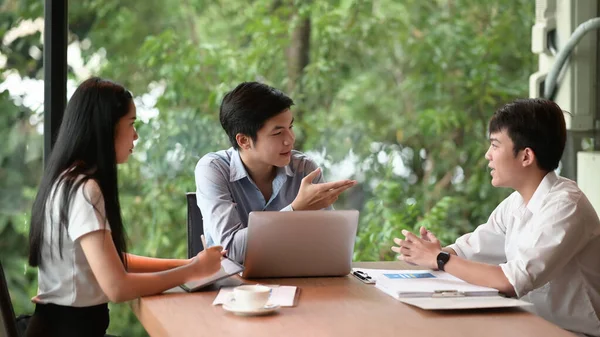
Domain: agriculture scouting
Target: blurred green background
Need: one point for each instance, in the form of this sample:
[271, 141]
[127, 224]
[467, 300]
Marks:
[395, 94]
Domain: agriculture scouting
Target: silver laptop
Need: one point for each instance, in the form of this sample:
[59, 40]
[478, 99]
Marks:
[302, 243]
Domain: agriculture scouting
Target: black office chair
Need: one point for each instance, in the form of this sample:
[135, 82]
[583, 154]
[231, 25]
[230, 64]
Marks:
[195, 225]
[7, 317]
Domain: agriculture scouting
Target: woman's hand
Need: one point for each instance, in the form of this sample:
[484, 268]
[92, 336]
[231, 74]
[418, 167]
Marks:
[207, 262]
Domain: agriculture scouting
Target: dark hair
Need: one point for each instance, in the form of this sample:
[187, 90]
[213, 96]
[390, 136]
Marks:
[85, 146]
[535, 123]
[246, 108]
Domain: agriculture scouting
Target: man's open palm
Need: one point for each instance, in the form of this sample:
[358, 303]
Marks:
[318, 196]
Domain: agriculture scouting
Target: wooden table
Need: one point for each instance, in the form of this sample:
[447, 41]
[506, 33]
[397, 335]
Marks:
[336, 306]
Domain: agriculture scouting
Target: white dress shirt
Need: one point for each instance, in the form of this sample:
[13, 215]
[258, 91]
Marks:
[549, 251]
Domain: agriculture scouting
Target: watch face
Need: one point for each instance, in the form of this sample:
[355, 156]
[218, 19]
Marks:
[442, 259]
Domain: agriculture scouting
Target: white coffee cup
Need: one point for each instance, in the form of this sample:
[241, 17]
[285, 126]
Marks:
[250, 297]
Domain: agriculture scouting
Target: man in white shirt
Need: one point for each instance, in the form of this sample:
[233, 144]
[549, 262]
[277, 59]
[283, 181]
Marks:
[542, 243]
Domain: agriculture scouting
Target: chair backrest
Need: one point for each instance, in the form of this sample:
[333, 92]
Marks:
[8, 321]
[195, 225]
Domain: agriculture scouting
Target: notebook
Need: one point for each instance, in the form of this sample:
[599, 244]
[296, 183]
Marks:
[228, 268]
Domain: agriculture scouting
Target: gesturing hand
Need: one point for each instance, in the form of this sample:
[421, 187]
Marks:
[317, 196]
[420, 251]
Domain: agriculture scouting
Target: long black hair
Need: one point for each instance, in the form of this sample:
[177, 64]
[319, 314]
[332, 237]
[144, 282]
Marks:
[84, 150]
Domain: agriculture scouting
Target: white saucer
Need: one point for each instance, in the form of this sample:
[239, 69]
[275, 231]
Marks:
[267, 309]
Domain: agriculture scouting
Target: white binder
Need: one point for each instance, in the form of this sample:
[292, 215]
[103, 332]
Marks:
[437, 290]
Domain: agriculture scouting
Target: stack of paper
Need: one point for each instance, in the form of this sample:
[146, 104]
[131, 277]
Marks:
[428, 283]
[436, 290]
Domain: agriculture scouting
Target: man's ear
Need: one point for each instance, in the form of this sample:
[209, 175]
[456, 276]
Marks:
[243, 141]
[528, 157]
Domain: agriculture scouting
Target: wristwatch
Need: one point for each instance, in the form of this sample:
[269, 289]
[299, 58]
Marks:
[442, 259]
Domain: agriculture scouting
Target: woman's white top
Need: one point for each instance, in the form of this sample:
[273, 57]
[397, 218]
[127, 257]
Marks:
[70, 281]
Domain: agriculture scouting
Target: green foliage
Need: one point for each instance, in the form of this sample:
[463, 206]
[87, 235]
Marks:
[460, 63]
[406, 87]
[20, 168]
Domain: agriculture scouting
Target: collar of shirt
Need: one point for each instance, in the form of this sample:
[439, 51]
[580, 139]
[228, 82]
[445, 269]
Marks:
[537, 199]
[237, 170]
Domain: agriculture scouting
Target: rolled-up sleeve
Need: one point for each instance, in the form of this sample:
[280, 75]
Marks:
[486, 243]
[219, 212]
[556, 234]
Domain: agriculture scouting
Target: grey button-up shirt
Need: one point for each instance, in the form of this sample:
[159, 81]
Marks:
[226, 195]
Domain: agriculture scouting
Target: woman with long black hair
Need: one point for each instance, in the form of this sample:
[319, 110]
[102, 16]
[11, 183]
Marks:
[77, 239]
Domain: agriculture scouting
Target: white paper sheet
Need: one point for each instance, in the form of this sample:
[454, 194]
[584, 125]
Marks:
[408, 283]
[376, 273]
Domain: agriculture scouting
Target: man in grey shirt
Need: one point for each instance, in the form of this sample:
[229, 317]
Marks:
[260, 172]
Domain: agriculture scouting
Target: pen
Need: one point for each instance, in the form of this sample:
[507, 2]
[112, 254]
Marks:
[448, 293]
[203, 239]
[204, 246]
